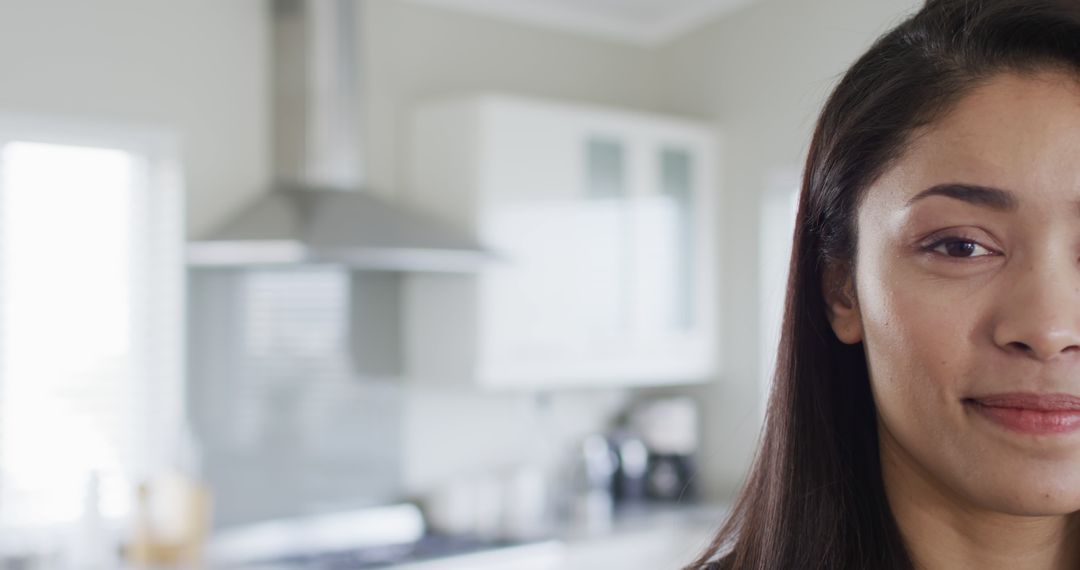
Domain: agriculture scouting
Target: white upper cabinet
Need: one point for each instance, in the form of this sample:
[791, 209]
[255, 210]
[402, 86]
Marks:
[604, 220]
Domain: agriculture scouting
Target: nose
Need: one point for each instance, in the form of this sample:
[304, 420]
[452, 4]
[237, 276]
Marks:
[1040, 316]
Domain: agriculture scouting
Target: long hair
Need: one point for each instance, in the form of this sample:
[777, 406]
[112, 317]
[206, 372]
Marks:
[814, 497]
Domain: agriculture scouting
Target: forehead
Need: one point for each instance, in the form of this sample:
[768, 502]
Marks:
[1020, 132]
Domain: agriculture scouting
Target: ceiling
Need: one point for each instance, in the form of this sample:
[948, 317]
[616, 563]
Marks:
[647, 22]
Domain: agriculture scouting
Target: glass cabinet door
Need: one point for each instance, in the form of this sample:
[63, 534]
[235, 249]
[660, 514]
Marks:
[676, 186]
[603, 247]
[665, 243]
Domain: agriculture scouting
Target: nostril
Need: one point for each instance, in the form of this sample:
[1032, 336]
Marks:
[1021, 347]
[1045, 352]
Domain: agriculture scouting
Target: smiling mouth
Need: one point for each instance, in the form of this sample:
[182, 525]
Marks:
[1028, 413]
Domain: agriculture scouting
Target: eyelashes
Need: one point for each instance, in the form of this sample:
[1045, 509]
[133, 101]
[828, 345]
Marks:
[958, 247]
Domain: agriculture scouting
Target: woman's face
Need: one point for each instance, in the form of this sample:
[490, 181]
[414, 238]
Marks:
[967, 291]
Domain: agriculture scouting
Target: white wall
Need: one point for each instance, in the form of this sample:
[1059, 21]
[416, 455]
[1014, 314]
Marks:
[195, 67]
[761, 74]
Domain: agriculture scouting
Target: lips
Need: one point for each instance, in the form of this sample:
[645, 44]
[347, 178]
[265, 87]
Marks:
[1036, 414]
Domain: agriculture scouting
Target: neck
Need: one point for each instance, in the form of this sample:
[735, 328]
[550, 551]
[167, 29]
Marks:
[944, 531]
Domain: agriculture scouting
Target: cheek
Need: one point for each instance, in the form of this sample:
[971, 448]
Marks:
[919, 354]
[917, 338]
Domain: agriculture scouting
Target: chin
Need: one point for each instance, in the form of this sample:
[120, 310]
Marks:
[1033, 498]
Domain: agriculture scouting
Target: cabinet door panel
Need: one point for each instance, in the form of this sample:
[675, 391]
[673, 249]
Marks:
[603, 218]
[556, 288]
[659, 256]
[563, 294]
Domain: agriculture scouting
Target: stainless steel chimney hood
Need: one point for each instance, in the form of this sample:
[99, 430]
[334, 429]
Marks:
[306, 225]
[317, 211]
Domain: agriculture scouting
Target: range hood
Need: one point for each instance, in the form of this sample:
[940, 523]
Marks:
[318, 211]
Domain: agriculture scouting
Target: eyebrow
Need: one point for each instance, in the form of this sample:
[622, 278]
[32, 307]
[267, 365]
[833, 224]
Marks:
[993, 198]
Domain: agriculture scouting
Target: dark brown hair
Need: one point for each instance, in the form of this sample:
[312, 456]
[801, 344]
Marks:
[814, 497]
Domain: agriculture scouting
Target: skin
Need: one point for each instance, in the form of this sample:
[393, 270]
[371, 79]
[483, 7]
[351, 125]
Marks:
[994, 310]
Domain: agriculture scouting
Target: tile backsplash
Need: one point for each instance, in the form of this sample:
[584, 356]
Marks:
[287, 423]
[299, 406]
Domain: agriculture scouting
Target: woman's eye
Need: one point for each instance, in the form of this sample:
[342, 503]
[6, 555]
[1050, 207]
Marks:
[957, 247]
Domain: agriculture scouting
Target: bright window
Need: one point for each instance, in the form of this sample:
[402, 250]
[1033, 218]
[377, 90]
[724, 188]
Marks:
[90, 327]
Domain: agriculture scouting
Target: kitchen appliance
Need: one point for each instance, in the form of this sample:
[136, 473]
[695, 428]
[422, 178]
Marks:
[630, 479]
[669, 428]
[592, 496]
[671, 477]
[317, 212]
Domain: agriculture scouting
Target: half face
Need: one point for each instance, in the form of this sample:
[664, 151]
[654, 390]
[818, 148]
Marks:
[967, 298]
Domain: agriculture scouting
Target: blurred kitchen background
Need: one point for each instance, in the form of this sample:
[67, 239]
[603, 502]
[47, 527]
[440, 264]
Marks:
[425, 284]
